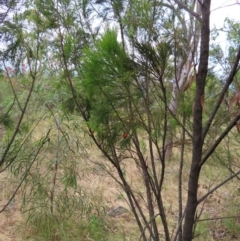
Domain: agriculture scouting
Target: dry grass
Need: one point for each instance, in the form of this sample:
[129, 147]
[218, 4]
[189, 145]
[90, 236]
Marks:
[104, 194]
[11, 217]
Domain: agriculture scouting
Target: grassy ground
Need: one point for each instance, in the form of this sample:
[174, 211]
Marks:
[96, 193]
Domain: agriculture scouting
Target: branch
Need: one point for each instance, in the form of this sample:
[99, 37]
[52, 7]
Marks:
[7, 112]
[12, 87]
[27, 171]
[197, 16]
[218, 186]
[229, 80]
[179, 225]
[217, 218]
[24, 109]
[229, 5]
[220, 138]
[178, 14]
[6, 13]
[147, 226]
[10, 161]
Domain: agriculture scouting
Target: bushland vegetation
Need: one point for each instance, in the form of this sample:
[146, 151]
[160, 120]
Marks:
[119, 102]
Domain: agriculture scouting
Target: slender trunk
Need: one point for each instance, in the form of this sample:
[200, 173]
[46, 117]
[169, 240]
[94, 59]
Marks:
[180, 211]
[197, 125]
[147, 179]
[182, 69]
[54, 179]
[163, 218]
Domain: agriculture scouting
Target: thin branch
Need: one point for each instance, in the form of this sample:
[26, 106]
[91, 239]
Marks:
[229, 80]
[229, 5]
[230, 169]
[23, 111]
[26, 173]
[180, 179]
[220, 138]
[179, 225]
[218, 186]
[33, 75]
[6, 13]
[147, 226]
[8, 111]
[19, 149]
[12, 87]
[197, 16]
[217, 218]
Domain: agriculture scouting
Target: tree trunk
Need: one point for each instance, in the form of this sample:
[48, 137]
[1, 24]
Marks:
[197, 125]
[183, 69]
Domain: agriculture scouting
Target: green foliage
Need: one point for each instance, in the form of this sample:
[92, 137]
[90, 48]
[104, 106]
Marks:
[97, 228]
[202, 231]
[158, 57]
[13, 34]
[122, 93]
[68, 106]
[107, 73]
[138, 16]
[232, 27]
[47, 227]
[105, 65]
[68, 46]
[232, 225]
[7, 121]
[70, 178]
[43, 16]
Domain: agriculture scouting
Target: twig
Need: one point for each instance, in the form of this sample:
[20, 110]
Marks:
[8, 111]
[147, 225]
[217, 218]
[197, 16]
[26, 173]
[218, 186]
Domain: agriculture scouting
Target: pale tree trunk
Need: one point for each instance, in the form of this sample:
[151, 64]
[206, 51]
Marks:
[184, 70]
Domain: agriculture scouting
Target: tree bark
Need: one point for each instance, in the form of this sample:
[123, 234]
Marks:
[183, 69]
[198, 140]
